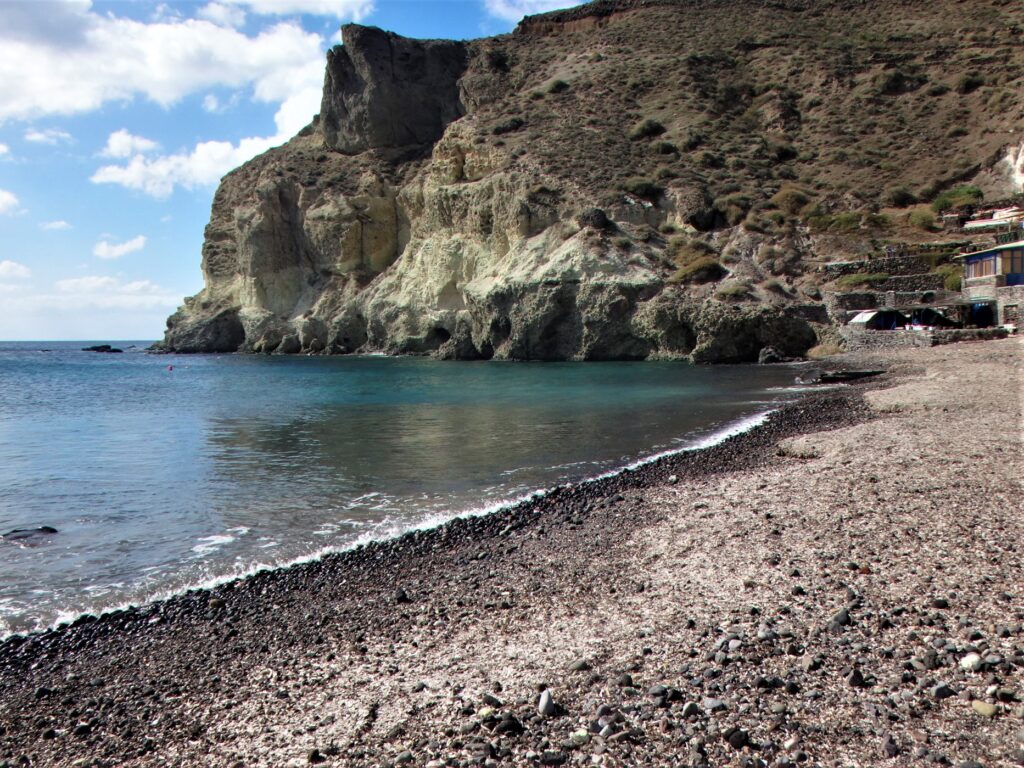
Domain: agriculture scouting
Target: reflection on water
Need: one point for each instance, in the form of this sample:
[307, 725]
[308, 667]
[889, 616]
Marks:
[161, 479]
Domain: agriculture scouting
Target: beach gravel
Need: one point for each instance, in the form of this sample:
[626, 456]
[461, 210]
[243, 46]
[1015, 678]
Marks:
[631, 621]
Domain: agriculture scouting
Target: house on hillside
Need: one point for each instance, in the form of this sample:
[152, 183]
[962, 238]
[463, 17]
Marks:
[994, 280]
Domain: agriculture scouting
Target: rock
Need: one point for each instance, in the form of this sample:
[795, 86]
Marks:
[581, 665]
[691, 709]
[404, 757]
[376, 75]
[1016, 756]
[546, 704]
[889, 747]
[315, 757]
[940, 603]
[103, 348]
[553, 757]
[839, 620]
[856, 679]
[712, 705]
[970, 764]
[625, 680]
[983, 708]
[28, 535]
[971, 662]
[942, 691]
[769, 355]
[837, 377]
[82, 729]
[401, 596]
[737, 738]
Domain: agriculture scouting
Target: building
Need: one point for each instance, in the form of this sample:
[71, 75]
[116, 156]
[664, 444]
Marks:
[993, 280]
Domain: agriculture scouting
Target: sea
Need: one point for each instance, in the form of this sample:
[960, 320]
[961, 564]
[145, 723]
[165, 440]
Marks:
[161, 473]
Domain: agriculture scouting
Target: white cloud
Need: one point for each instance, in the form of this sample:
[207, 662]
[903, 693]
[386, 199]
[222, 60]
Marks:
[46, 136]
[357, 10]
[110, 58]
[107, 250]
[208, 161]
[109, 293]
[222, 15]
[53, 226]
[514, 10]
[9, 269]
[123, 144]
[4, 149]
[8, 203]
[4, 288]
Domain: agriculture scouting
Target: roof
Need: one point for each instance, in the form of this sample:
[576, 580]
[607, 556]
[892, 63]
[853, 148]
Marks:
[863, 317]
[993, 249]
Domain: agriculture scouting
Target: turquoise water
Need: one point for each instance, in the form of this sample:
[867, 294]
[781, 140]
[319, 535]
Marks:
[160, 479]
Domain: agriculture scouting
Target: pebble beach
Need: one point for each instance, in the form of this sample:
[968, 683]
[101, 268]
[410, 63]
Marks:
[841, 586]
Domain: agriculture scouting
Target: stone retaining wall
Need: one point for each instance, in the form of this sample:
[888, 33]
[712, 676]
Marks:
[860, 339]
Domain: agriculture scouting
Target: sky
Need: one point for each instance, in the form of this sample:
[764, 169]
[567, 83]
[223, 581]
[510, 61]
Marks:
[117, 120]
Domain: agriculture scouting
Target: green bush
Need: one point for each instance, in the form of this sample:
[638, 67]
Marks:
[958, 197]
[644, 188]
[921, 219]
[683, 251]
[900, 197]
[734, 289]
[790, 199]
[647, 129]
[861, 279]
[558, 86]
[952, 276]
[969, 83]
[702, 270]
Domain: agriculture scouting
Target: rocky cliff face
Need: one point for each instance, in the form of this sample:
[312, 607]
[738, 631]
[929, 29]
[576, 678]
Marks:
[623, 181]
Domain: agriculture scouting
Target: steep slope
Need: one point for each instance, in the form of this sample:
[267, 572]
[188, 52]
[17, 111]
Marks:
[626, 179]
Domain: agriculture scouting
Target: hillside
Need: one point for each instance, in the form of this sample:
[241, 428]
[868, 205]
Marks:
[625, 179]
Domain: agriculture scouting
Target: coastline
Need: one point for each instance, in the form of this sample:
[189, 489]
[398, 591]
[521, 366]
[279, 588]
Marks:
[395, 651]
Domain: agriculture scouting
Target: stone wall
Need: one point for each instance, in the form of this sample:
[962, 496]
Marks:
[893, 265]
[905, 283]
[862, 339]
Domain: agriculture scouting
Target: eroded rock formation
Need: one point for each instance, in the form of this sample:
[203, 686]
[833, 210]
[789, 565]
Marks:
[528, 196]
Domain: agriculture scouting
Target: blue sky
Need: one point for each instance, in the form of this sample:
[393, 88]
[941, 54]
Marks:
[118, 118]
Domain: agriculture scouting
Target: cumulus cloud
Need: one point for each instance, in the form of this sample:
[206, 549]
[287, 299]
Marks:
[514, 10]
[8, 203]
[79, 60]
[47, 136]
[95, 291]
[54, 226]
[357, 10]
[4, 149]
[208, 161]
[107, 250]
[9, 269]
[123, 144]
[222, 15]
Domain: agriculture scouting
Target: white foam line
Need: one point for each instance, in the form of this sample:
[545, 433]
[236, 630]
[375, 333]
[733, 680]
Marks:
[386, 532]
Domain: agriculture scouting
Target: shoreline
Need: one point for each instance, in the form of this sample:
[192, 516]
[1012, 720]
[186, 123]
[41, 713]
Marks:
[664, 617]
[701, 440]
[524, 505]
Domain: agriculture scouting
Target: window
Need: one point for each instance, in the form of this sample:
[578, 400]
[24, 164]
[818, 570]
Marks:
[981, 267]
[1013, 261]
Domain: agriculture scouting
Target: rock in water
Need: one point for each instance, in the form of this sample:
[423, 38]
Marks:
[29, 535]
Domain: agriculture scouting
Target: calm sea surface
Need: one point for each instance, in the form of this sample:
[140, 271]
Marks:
[159, 479]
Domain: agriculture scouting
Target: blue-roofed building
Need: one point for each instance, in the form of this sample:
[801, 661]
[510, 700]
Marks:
[993, 280]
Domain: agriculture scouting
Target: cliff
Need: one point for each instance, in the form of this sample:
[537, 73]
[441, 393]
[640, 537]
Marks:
[624, 180]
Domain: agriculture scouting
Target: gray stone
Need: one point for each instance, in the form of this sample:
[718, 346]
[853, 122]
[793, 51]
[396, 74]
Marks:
[546, 704]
